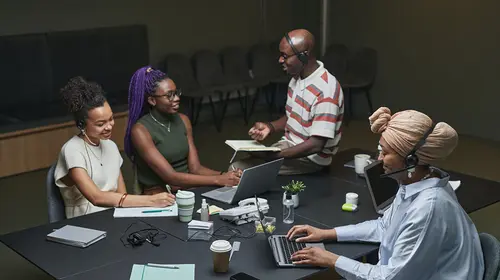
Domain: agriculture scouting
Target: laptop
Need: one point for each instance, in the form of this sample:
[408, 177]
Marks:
[382, 190]
[254, 180]
[76, 236]
[282, 247]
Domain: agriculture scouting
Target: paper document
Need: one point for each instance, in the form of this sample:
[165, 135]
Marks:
[162, 271]
[169, 211]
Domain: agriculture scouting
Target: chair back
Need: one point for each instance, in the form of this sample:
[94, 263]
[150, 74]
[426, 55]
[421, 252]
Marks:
[263, 63]
[235, 66]
[55, 202]
[208, 69]
[362, 67]
[491, 254]
[180, 70]
[335, 60]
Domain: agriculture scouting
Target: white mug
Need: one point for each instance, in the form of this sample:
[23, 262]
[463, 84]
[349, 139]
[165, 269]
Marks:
[360, 161]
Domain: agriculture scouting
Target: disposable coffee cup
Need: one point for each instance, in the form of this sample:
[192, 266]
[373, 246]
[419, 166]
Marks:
[221, 250]
[360, 161]
[185, 203]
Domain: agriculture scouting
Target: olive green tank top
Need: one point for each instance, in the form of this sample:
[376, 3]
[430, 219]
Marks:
[173, 145]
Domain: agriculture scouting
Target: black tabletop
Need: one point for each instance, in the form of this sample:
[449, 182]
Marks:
[473, 194]
[320, 206]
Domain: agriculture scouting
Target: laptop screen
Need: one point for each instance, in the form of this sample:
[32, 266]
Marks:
[383, 190]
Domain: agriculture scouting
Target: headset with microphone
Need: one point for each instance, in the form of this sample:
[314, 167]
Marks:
[411, 160]
[302, 56]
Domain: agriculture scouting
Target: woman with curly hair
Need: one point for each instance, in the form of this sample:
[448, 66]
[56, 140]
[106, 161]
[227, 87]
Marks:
[88, 168]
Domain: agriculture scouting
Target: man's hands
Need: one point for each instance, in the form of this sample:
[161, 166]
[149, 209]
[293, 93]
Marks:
[259, 131]
[315, 256]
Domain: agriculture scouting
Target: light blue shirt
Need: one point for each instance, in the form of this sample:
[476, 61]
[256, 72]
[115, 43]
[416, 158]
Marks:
[425, 234]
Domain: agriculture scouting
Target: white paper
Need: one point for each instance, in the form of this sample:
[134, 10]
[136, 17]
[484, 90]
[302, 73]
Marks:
[249, 145]
[455, 184]
[138, 212]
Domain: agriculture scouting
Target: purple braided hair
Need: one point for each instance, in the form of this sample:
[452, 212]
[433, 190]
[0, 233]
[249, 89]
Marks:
[143, 83]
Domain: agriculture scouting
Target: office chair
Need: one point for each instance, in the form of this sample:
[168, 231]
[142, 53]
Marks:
[491, 254]
[55, 203]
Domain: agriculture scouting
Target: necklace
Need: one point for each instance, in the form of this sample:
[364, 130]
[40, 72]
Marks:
[100, 148]
[168, 128]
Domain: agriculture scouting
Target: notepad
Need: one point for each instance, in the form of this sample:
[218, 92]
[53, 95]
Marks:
[250, 146]
[212, 210]
[170, 211]
[76, 236]
[162, 271]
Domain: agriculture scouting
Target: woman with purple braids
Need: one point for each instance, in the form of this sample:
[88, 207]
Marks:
[159, 139]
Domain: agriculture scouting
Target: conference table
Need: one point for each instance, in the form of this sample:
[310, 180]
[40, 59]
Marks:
[320, 206]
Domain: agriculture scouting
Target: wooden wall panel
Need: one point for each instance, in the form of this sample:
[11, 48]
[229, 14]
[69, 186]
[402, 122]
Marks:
[37, 148]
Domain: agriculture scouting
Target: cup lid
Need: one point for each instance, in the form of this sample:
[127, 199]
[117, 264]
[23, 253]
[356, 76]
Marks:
[184, 194]
[221, 246]
[351, 195]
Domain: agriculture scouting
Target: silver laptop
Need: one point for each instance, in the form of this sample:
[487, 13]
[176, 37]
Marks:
[254, 180]
[382, 190]
[282, 247]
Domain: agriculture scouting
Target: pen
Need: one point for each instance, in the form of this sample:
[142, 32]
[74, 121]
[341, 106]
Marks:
[168, 189]
[157, 211]
[162, 266]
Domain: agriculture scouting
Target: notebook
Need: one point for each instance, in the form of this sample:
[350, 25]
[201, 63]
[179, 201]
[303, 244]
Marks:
[170, 211]
[76, 236]
[249, 146]
[162, 271]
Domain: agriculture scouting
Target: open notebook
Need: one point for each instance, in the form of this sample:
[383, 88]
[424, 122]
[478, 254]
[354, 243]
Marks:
[249, 146]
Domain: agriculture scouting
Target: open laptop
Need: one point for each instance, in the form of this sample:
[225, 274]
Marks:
[382, 190]
[282, 247]
[254, 180]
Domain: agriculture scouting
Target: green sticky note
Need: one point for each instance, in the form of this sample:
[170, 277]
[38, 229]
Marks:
[150, 272]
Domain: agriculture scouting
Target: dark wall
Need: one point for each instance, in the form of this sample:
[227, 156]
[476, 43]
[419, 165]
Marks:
[174, 26]
[441, 57]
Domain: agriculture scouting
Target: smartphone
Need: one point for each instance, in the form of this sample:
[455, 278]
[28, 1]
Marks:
[242, 276]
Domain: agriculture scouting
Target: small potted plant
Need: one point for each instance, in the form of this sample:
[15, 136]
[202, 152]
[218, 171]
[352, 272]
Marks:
[293, 188]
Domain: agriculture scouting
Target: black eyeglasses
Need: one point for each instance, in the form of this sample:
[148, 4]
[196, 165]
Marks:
[170, 95]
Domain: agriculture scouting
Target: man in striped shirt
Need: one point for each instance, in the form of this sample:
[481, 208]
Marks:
[314, 110]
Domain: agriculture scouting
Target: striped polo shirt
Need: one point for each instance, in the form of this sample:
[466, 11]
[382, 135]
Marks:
[315, 107]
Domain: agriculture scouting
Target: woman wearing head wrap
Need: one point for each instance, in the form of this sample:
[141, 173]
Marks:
[425, 234]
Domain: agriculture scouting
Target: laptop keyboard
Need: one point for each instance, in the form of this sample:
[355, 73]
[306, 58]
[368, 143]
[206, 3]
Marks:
[290, 247]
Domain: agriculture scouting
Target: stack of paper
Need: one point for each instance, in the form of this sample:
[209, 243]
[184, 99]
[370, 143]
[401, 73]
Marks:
[169, 211]
[162, 271]
[76, 236]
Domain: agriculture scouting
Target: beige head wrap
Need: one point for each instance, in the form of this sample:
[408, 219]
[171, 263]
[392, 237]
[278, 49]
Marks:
[403, 130]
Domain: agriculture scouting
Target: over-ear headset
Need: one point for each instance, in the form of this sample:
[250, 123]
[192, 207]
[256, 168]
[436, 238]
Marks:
[411, 160]
[302, 56]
